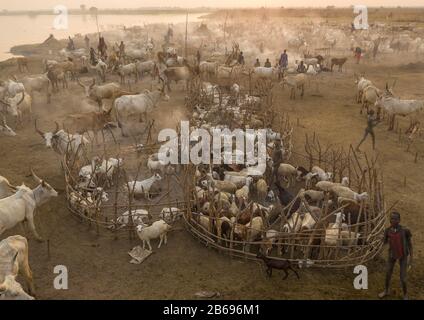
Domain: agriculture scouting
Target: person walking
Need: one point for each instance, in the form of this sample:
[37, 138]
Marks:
[400, 249]
[283, 63]
[122, 50]
[358, 54]
[369, 130]
[240, 58]
[87, 42]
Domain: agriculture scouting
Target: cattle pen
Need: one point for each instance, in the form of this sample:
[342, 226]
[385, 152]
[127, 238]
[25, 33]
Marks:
[320, 246]
[106, 218]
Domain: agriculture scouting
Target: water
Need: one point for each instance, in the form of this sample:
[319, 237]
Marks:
[28, 30]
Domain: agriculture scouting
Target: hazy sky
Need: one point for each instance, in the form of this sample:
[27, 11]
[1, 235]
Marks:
[45, 4]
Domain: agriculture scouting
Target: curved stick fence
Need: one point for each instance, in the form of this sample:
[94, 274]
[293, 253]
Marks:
[356, 243]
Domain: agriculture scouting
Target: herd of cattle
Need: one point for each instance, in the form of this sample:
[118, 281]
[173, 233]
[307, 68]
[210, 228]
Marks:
[173, 62]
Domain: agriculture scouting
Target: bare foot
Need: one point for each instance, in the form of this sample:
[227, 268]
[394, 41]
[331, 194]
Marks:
[383, 294]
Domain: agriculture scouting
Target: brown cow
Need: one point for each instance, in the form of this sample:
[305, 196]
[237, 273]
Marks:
[83, 122]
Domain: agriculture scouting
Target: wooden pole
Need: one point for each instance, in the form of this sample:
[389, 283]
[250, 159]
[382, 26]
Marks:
[185, 47]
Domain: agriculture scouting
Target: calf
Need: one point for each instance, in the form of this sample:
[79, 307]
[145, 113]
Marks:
[338, 62]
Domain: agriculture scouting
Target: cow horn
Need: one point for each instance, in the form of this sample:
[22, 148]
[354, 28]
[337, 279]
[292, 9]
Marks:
[394, 83]
[93, 83]
[387, 86]
[5, 103]
[11, 187]
[41, 133]
[57, 128]
[79, 83]
[35, 176]
[14, 259]
[14, 78]
[22, 99]
[4, 121]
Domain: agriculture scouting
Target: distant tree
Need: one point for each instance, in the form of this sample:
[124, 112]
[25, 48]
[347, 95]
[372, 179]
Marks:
[83, 7]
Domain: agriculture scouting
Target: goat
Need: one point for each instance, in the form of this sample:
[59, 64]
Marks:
[143, 187]
[170, 215]
[139, 217]
[158, 229]
[284, 265]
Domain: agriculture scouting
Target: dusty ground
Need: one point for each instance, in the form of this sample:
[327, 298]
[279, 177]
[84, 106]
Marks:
[98, 265]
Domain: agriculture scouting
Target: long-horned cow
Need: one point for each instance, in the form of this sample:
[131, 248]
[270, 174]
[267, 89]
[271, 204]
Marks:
[21, 205]
[14, 260]
[136, 106]
[39, 83]
[62, 142]
[98, 93]
[90, 121]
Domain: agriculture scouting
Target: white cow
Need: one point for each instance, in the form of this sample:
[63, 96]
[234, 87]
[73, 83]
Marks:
[146, 67]
[265, 73]
[6, 189]
[13, 88]
[21, 205]
[18, 105]
[14, 260]
[138, 106]
[61, 141]
[394, 106]
[39, 83]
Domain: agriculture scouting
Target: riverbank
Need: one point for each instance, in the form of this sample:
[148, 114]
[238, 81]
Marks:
[140, 11]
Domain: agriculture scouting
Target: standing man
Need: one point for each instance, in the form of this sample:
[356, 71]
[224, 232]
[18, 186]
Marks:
[400, 247]
[71, 45]
[240, 59]
[198, 56]
[87, 42]
[284, 60]
[375, 48]
[283, 63]
[122, 50]
[371, 123]
[93, 59]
